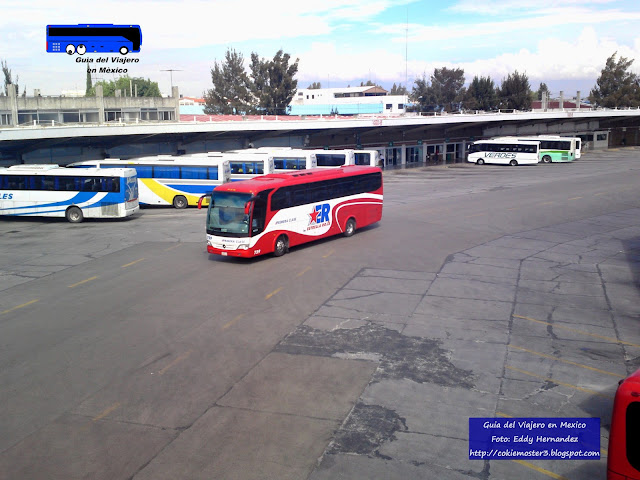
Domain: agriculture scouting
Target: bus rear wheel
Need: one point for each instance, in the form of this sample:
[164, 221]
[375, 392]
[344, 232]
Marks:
[281, 246]
[124, 50]
[546, 159]
[81, 49]
[350, 227]
[71, 49]
[513, 163]
[480, 162]
[180, 202]
[74, 215]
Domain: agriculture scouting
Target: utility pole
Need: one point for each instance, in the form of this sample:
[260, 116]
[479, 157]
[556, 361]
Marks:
[171, 70]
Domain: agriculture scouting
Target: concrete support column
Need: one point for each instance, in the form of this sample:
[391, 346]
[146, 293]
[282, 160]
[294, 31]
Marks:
[176, 97]
[578, 100]
[13, 103]
[100, 101]
[561, 106]
[403, 155]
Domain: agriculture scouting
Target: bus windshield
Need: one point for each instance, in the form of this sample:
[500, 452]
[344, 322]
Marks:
[226, 214]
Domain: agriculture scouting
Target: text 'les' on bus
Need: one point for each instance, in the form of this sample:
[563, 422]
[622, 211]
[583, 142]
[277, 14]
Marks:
[272, 213]
[94, 38]
[504, 152]
[53, 191]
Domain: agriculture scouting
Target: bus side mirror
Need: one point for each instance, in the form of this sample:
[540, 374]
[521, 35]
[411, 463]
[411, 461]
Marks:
[247, 208]
[201, 199]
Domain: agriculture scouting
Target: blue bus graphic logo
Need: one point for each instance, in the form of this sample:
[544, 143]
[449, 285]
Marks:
[94, 38]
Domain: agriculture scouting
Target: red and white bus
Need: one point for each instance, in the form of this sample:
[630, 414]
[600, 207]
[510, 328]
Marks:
[270, 213]
[623, 460]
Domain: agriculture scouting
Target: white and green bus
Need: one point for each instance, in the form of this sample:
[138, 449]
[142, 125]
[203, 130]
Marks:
[554, 148]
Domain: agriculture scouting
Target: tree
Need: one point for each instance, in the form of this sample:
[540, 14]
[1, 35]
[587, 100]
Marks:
[8, 78]
[481, 94]
[398, 90]
[231, 87]
[272, 82]
[448, 85]
[542, 89]
[423, 94]
[616, 86]
[315, 86]
[130, 86]
[515, 92]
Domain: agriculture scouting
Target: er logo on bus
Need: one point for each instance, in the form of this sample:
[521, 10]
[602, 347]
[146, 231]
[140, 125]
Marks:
[320, 213]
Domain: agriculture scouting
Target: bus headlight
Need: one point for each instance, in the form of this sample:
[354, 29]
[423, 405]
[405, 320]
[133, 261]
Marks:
[243, 246]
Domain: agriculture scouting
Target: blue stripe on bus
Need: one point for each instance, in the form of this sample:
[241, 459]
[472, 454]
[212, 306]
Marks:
[192, 188]
[80, 197]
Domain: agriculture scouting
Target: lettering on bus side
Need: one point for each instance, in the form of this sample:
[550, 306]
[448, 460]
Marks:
[319, 216]
[499, 155]
[6, 196]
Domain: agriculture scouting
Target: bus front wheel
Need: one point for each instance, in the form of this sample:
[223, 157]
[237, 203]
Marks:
[281, 246]
[513, 163]
[74, 215]
[124, 50]
[480, 162]
[71, 49]
[350, 227]
[82, 49]
[180, 202]
[546, 159]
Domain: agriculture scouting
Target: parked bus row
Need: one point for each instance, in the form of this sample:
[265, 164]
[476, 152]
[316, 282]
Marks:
[525, 150]
[181, 180]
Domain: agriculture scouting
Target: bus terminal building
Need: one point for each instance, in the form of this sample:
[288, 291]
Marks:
[63, 130]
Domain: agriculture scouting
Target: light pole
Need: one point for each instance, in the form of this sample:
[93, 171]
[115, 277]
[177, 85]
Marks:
[171, 70]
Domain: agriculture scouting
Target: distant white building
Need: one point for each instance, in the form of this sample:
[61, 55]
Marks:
[347, 101]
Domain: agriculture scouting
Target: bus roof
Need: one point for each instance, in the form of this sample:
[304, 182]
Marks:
[509, 140]
[57, 170]
[275, 180]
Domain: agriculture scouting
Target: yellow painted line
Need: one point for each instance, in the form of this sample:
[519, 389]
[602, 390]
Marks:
[106, 412]
[540, 470]
[568, 385]
[303, 272]
[171, 248]
[546, 203]
[19, 306]
[601, 193]
[83, 281]
[567, 361]
[555, 325]
[132, 263]
[504, 415]
[329, 254]
[575, 198]
[228, 324]
[268, 296]
[176, 361]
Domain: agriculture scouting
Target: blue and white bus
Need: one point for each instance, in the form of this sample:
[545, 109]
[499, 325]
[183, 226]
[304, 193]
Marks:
[285, 159]
[98, 38]
[170, 180]
[244, 164]
[53, 191]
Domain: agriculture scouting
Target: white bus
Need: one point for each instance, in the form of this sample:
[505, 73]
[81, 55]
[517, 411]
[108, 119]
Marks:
[53, 191]
[368, 157]
[504, 151]
[169, 180]
[243, 164]
[554, 148]
[334, 158]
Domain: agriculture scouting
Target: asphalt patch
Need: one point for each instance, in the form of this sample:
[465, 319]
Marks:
[421, 360]
[366, 429]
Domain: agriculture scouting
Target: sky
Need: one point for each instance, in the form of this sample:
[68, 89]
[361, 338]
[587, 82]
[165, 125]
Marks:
[339, 43]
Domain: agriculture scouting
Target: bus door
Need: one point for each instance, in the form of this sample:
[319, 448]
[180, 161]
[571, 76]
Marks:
[623, 461]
